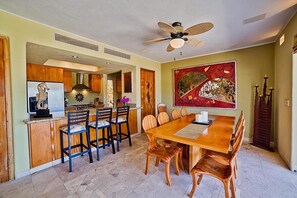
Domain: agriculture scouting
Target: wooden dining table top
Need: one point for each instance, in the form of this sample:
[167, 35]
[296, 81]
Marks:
[216, 138]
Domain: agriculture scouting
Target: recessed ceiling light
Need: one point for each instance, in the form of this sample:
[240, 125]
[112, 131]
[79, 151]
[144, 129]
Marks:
[74, 56]
[108, 63]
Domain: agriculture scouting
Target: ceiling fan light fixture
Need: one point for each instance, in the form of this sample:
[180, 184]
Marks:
[177, 43]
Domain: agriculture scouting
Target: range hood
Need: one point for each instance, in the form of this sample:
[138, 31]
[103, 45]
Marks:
[80, 82]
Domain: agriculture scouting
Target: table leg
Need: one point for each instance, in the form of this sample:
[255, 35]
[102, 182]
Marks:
[195, 154]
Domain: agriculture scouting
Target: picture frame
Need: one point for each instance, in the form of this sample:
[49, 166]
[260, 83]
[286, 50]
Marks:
[207, 86]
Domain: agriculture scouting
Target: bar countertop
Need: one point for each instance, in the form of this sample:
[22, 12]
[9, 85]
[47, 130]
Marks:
[31, 119]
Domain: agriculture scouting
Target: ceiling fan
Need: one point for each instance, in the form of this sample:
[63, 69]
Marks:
[179, 36]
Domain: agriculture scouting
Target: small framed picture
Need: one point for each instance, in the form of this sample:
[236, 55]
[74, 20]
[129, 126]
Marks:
[128, 82]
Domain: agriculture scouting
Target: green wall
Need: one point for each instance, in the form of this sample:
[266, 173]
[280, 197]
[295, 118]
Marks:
[20, 31]
[251, 65]
[283, 76]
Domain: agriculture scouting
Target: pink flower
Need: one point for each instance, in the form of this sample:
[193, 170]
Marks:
[124, 99]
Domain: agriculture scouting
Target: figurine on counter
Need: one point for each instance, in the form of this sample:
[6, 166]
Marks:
[42, 96]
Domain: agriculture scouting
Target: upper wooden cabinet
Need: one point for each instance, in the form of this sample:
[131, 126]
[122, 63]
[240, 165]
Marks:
[119, 84]
[53, 74]
[44, 73]
[35, 72]
[67, 79]
[95, 82]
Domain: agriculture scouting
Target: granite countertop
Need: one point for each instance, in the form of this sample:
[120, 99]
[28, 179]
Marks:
[31, 119]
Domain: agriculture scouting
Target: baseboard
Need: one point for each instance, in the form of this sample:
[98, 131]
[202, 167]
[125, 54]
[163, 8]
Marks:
[21, 174]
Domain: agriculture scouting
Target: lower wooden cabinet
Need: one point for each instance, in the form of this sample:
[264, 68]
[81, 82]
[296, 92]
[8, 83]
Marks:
[40, 143]
[45, 138]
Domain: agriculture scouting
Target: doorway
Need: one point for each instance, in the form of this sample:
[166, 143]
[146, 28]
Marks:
[147, 78]
[6, 146]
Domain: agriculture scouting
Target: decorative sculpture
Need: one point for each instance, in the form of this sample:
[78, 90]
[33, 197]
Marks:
[41, 97]
[42, 101]
[262, 117]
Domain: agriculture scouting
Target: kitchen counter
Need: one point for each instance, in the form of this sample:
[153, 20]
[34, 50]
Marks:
[59, 117]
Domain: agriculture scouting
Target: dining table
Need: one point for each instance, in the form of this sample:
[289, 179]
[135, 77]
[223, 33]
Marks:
[215, 136]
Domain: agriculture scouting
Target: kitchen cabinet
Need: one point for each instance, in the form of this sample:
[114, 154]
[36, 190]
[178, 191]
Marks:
[40, 143]
[53, 74]
[119, 84]
[44, 73]
[67, 79]
[35, 72]
[95, 82]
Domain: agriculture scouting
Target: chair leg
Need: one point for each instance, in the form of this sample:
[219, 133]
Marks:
[200, 179]
[103, 138]
[181, 160]
[233, 187]
[111, 139]
[226, 186]
[167, 171]
[120, 132]
[236, 168]
[194, 184]
[147, 163]
[157, 161]
[129, 135]
[81, 144]
[97, 145]
[62, 146]
[176, 159]
[117, 134]
[69, 152]
[89, 146]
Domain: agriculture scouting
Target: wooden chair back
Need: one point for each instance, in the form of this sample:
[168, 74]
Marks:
[122, 112]
[238, 141]
[163, 118]
[239, 122]
[175, 114]
[162, 108]
[184, 112]
[149, 122]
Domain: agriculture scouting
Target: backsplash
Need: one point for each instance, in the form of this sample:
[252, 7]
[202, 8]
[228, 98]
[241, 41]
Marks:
[88, 97]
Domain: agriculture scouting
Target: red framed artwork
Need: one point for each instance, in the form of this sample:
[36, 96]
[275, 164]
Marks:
[212, 85]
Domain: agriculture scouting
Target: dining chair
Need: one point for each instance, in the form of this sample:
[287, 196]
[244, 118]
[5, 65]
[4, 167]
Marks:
[162, 108]
[163, 118]
[122, 117]
[161, 152]
[102, 122]
[225, 157]
[184, 112]
[208, 165]
[77, 124]
[175, 114]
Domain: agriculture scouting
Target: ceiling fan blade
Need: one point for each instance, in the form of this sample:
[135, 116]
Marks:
[155, 40]
[170, 48]
[194, 42]
[166, 27]
[199, 28]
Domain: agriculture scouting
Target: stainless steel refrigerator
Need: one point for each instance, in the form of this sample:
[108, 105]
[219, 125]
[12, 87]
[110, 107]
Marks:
[55, 98]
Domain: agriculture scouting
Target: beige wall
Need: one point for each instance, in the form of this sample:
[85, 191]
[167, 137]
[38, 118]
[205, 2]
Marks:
[21, 31]
[283, 76]
[251, 65]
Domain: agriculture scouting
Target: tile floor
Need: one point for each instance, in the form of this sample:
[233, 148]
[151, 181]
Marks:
[261, 174]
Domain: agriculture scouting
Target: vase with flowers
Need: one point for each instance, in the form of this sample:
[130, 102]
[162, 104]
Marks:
[124, 100]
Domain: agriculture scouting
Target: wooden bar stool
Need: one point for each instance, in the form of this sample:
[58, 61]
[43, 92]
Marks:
[103, 120]
[77, 124]
[122, 117]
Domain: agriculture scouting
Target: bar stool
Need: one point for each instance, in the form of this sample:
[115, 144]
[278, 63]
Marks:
[77, 124]
[121, 118]
[103, 119]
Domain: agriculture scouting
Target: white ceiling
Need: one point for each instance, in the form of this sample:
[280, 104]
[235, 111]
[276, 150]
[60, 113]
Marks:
[127, 24]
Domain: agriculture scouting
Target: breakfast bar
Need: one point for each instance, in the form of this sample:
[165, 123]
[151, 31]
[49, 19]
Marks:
[44, 137]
